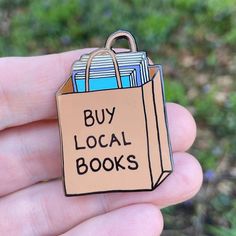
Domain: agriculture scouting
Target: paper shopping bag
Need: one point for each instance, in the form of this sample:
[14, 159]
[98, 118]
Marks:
[114, 139]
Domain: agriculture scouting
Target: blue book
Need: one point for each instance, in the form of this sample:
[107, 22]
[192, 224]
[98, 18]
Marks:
[102, 80]
[126, 60]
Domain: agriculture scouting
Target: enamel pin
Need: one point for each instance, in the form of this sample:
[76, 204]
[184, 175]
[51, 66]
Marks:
[113, 122]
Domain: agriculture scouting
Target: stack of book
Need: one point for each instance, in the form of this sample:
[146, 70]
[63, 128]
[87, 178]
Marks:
[133, 69]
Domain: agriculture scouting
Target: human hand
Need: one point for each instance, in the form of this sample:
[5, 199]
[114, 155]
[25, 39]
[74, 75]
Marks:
[32, 201]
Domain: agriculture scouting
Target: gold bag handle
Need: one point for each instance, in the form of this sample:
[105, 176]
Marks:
[115, 63]
[122, 34]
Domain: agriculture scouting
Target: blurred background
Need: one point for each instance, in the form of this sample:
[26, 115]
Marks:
[195, 41]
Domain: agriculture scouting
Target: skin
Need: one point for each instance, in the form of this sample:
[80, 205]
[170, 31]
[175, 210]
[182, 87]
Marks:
[30, 154]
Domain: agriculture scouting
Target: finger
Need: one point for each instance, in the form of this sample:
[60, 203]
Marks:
[135, 220]
[181, 185]
[46, 210]
[28, 86]
[31, 153]
[182, 127]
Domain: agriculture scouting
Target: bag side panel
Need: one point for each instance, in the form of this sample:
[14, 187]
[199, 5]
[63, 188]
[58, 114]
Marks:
[159, 99]
[153, 129]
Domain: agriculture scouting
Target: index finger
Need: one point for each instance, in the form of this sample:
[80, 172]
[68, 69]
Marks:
[28, 86]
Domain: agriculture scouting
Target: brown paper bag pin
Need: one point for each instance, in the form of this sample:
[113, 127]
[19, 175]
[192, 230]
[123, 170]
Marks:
[113, 123]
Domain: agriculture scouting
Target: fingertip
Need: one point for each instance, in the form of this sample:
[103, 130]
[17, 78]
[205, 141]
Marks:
[158, 221]
[146, 219]
[182, 127]
[187, 178]
[153, 216]
[192, 168]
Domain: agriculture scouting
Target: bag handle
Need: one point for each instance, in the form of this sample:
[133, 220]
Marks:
[122, 34]
[115, 63]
